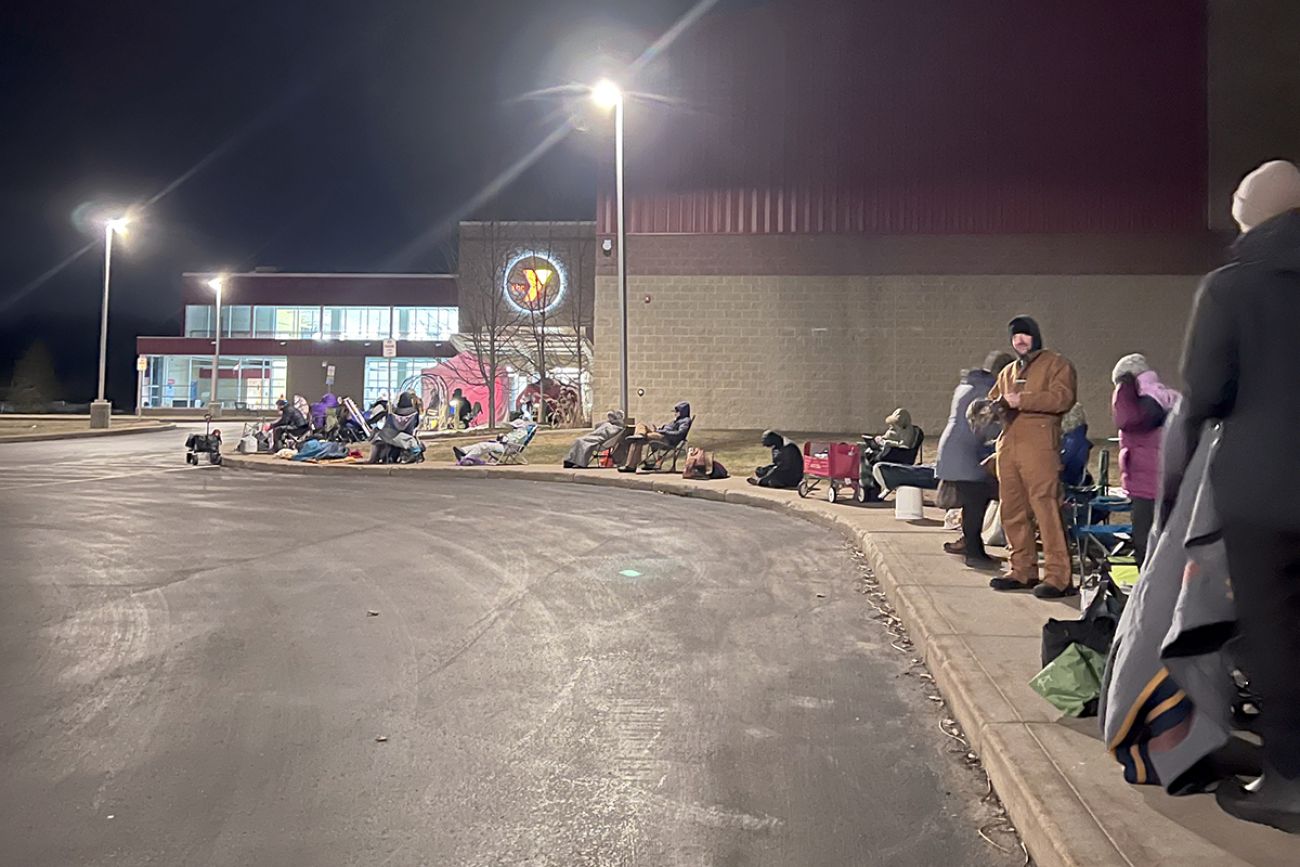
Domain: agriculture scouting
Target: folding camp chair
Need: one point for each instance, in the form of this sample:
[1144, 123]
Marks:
[658, 453]
[515, 442]
[1088, 510]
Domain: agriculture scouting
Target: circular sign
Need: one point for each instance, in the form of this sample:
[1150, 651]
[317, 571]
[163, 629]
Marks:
[534, 282]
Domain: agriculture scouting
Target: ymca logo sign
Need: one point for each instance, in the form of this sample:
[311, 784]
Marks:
[534, 282]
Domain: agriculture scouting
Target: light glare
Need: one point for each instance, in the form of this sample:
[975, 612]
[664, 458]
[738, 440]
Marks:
[606, 94]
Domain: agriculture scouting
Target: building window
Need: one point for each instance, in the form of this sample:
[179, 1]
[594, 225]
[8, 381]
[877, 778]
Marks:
[357, 323]
[286, 323]
[425, 323]
[406, 374]
[237, 321]
[185, 381]
[198, 320]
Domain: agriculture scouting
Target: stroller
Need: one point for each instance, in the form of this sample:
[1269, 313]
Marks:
[353, 426]
[208, 442]
[394, 440]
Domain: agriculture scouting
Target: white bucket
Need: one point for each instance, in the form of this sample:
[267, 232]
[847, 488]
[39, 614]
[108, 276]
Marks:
[908, 504]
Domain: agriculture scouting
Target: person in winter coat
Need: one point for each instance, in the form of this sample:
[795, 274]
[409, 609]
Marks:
[1140, 405]
[786, 469]
[290, 423]
[667, 435]
[960, 463]
[602, 436]
[1076, 448]
[1037, 390]
[1241, 366]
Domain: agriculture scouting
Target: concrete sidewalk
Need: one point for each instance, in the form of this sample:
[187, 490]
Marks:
[1064, 792]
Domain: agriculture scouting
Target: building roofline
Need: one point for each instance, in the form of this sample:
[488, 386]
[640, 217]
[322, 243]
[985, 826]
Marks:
[527, 222]
[350, 275]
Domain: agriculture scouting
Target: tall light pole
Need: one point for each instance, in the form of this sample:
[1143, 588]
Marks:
[101, 410]
[608, 95]
[216, 284]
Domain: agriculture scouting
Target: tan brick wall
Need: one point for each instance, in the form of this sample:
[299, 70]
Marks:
[840, 352]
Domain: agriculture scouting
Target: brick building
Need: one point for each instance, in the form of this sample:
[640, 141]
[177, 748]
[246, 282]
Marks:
[294, 333]
[847, 200]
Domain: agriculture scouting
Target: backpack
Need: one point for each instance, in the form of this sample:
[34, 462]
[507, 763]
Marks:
[702, 465]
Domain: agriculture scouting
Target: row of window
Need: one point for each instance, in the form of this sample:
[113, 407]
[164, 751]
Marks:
[314, 323]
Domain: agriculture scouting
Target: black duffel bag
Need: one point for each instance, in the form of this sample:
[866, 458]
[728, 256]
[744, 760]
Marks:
[1095, 629]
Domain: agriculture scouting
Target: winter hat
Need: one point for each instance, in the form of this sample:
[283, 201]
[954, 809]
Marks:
[1271, 189]
[1074, 418]
[899, 418]
[996, 360]
[772, 439]
[1023, 324]
[615, 415]
[1130, 364]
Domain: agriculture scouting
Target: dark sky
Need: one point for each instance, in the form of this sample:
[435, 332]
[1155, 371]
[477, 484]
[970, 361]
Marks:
[330, 135]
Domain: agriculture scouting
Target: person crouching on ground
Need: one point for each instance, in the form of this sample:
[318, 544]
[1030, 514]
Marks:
[1037, 390]
[1140, 405]
[786, 469]
[669, 435]
[962, 453]
[603, 436]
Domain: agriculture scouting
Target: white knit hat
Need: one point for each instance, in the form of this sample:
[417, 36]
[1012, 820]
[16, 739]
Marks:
[1134, 364]
[1271, 189]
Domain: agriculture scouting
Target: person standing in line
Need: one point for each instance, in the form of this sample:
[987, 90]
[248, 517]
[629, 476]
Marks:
[1140, 405]
[960, 462]
[1241, 366]
[1036, 390]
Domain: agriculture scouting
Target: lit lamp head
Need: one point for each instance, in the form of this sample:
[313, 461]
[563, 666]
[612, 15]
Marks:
[606, 94]
[216, 284]
[117, 225]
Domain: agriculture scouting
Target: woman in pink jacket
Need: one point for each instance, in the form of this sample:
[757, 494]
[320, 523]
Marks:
[1140, 406]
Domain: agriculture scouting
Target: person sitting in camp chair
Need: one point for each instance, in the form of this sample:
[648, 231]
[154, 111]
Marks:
[605, 435]
[506, 448]
[291, 423]
[900, 444]
[663, 438]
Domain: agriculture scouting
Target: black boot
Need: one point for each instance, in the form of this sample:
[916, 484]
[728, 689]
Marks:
[1272, 800]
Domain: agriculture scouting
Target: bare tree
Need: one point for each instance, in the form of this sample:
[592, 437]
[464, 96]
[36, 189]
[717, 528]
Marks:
[577, 313]
[494, 321]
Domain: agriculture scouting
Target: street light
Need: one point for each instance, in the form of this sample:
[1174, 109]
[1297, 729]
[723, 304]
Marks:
[216, 284]
[607, 95]
[101, 410]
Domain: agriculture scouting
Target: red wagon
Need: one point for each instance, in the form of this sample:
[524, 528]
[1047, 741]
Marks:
[837, 464]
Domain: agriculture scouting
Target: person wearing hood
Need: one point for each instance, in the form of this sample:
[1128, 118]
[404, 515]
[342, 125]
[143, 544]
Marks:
[1076, 448]
[668, 435]
[605, 435]
[1241, 367]
[962, 453]
[898, 445]
[1139, 406]
[1036, 390]
[786, 469]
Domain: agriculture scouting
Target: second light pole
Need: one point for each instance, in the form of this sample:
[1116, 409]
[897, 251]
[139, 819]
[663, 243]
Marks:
[608, 95]
[216, 284]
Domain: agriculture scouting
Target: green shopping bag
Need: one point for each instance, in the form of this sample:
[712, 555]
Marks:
[1071, 683]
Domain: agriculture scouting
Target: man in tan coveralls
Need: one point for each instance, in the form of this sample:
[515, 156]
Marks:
[1037, 389]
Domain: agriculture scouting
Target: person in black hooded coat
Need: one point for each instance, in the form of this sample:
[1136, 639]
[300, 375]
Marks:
[1241, 365]
[786, 469]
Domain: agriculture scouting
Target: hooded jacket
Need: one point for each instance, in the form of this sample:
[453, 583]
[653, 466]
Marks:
[961, 450]
[1240, 366]
[1048, 387]
[676, 430]
[786, 469]
[1139, 406]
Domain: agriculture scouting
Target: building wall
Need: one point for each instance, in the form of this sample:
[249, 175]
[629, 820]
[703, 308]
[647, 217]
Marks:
[306, 375]
[1254, 92]
[485, 248]
[799, 334]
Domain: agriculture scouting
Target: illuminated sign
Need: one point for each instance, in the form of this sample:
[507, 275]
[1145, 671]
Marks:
[534, 282]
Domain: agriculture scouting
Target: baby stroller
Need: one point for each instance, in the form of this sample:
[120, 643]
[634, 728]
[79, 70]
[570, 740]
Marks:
[352, 427]
[395, 441]
[208, 442]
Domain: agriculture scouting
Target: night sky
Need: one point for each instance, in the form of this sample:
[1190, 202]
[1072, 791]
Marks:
[328, 135]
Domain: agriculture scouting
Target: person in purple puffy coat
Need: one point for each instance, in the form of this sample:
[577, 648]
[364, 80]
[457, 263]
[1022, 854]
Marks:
[1140, 406]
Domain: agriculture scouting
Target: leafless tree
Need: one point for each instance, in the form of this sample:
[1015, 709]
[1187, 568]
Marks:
[578, 317]
[494, 321]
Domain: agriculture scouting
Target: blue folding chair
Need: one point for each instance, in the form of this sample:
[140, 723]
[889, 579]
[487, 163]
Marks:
[1088, 513]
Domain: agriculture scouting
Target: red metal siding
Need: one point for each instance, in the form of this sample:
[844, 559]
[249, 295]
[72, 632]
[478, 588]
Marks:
[865, 116]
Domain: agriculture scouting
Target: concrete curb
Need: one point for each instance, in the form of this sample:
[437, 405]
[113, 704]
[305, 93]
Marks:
[1058, 826]
[84, 434]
